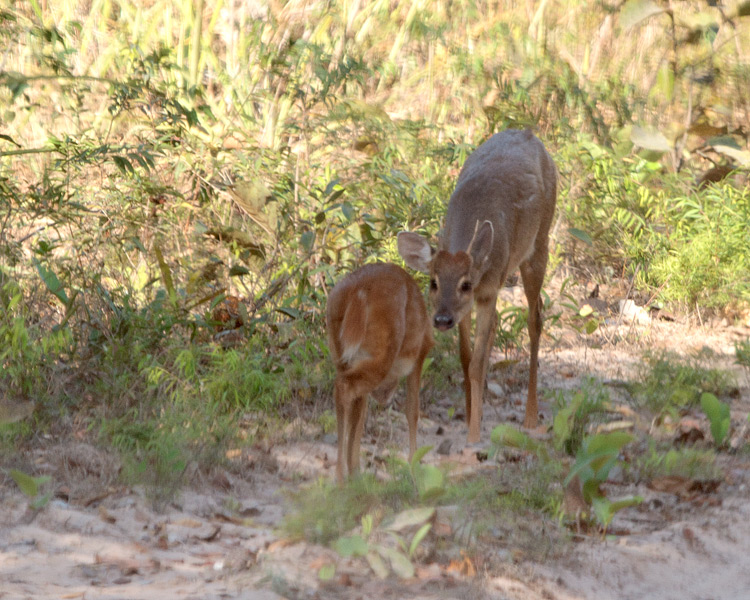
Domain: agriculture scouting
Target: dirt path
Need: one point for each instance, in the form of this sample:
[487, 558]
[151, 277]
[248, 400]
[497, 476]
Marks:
[220, 539]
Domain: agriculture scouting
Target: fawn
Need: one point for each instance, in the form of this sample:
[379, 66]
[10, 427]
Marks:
[378, 332]
[498, 220]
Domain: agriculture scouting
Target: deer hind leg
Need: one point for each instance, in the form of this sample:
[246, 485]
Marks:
[483, 338]
[357, 424]
[532, 273]
[352, 389]
[413, 383]
[343, 416]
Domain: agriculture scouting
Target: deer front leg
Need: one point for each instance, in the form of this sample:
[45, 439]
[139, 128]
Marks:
[343, 416]
[464, 347]
[486, 319]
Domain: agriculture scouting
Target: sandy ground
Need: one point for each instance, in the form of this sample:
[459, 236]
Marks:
[220, 538]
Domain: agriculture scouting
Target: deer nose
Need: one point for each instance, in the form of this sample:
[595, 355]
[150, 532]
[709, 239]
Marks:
[443, 322]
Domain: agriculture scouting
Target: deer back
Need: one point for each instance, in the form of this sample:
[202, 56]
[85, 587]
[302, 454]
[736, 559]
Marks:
[510, 181]
[378, 313]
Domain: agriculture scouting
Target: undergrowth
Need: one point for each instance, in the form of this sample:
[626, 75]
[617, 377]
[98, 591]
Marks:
[158, 161]
[670, 383]
[696, 464]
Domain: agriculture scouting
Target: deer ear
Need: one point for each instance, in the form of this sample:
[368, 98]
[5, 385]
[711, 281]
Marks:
[481, 245]
[415, 250]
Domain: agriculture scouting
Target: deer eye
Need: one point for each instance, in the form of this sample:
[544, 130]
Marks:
[433, 284]
[466, 286]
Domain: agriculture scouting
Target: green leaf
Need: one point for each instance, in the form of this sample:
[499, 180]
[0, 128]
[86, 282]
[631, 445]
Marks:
[331, 186]
[505, 435]
[581, 235]
[377, 565]
[166, 275]
[292, 313]
[400, 563]
[597, 455]
[591, 326]
[601, 463]
[719, 416]
[237, 270]
[605, 510]
[665, 82]
[602, 510]
[326, 572]
[367, 523]
[418, 537]
[419, 455]
[335, 196]
[625, 503]
[40, 501]
[7, 137]
[27, 484]
[52, 282]
[590, 490]
[37, 11]
[561, 425]
[636, 11]
[123, 164]
[351, 546]
[429, 480]
[348, 211]
[307, 239]
[612, 441]
[649, 139]
[410, 518]
[743, 9]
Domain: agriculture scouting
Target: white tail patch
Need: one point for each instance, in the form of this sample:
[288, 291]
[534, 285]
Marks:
[353, 328]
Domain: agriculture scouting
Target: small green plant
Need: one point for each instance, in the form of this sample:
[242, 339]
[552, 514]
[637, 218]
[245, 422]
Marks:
[27, 354]
[428, 479]
[585, 320]
[718, 415]
[536, 484]
[32, 488]
[691, 463]
[324, 511]
[327, 420]
[389, 546]
[670, 383]
[594, 460]
[508, 436]
[512, 322]
[574, 418]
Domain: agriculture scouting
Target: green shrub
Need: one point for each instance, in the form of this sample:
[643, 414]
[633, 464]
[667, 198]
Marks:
[709, 256]
[576, 416]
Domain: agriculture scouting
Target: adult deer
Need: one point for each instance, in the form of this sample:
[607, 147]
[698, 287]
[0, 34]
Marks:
[378, 332]
[498, 220]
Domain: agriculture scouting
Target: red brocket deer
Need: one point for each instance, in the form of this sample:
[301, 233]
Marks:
[378, 332]
[498, 220]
